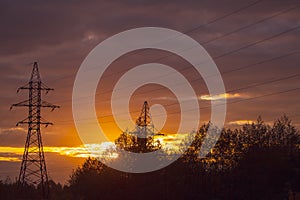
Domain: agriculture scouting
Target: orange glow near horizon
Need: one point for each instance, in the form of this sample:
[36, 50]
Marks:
[169, 142]
[14, 153]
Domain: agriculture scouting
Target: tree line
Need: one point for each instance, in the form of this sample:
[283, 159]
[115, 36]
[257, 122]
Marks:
[255, 161]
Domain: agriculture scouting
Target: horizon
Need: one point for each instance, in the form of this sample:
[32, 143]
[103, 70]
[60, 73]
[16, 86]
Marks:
[255, 45]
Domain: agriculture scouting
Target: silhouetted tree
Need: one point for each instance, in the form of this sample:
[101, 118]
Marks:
[257, 161]
[129, 142]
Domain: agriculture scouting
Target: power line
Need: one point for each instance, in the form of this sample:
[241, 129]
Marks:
[201, 108]
[257, 42]
[262, 62]
[197, 79]
[253, 24]
[242, 88]
[260, 42]
[238, 49]
[196, 28]
[241, 48]
[258, 97]
[247, 26]
[225, 16]
[264, 83]
[238, 101]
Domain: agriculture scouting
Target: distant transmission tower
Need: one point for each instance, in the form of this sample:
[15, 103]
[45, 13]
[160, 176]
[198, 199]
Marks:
[144, 127]
[144, 119]
[33, 168]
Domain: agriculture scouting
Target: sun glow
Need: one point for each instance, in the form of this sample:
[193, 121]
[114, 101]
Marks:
[241, 122]
[169, 142]
[10, 159]
[89, 150]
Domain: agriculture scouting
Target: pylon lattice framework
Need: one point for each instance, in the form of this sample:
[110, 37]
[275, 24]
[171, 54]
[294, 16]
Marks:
[33, 167]
[144, 127]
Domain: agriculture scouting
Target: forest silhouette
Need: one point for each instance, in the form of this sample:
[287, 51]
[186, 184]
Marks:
[256, 161]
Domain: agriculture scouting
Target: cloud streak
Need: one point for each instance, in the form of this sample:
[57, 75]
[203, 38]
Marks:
[221, 96]
[59, 35]
[8, 153]
[241, 122]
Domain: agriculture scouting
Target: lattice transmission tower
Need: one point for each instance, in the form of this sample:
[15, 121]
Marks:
[33, 169]
[144, 119]
[144, 128]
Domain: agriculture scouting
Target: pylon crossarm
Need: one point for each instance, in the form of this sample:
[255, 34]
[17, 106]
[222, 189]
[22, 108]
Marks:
[28, 122]
[46, 104]
[29, 88]
[22, 103]
[23, 121]
[25, 87]
[46, 123]
[46, 88]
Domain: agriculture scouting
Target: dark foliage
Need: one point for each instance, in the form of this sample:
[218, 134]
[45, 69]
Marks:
[258, 161]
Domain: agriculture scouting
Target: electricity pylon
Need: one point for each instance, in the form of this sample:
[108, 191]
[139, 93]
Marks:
[144, 119]
[33, 168]
[144, 127]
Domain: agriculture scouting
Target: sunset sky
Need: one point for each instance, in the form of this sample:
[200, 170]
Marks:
[255, 44]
